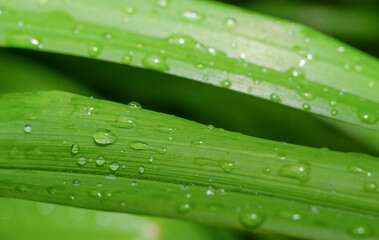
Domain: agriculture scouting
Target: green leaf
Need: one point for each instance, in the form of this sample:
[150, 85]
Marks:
[208, 42]
[161, 165]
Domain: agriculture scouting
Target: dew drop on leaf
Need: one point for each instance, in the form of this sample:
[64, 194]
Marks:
[27, 128]
[81, 161]
[184, 208]
[192, 16]
[300, 171]
[360, 231]
[370, 187]
[125, 122]
[306, 107]
[114, 166]
[127, 59]
[357, 169]
[368, 117]
[226, 83]
[155, 62]
[134, 106]
[100, 161]
[275, 98]
[251, 219]
[230, 23]
[141, 170]
[74, 149]
[104, 137]
[94, 50]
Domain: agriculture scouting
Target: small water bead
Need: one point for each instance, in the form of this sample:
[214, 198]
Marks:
[226, 83]
[360, 231]
[368, 117]
[358, 67]
[108, 35]
[155, 62]
[333, 103]
[306, 95]
[251, 219]
[151, 159]
[357, 169]
[141, 170]
[163, 3]
[27, 128]
[197, 142]
[334, 112]
[125, 122]
[228, 167]
[94, 50]
[267, 170]
[100, 161]
[275, 98]
[71, 197]
[230, 23]
[128, 10]
[192, 16]
[184, 208]
[370, 187]
[306, 107]
[144, 146]
[81, 161]
[341, 49]
[166, 129]
[127, 59]
[104, 137]
[76, 183]
[184, 41]
[74, 149]
[300, 171]
[114, 166]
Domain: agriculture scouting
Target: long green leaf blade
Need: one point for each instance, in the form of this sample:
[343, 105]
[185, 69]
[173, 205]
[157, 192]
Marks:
[67, 149]
[204, 41]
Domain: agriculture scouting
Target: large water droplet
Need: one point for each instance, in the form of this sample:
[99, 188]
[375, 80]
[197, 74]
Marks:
[251, 219]
[27, 128]
[114, 166]
[134, 106]
[300, 171]
[74, 149]
[104, 136]
[81, 161]
[368, 117]
[100, 161]
[155, 62]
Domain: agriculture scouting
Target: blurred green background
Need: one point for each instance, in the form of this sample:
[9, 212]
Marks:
[352, 21]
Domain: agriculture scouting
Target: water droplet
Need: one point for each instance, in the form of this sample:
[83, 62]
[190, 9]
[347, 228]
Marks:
[134, 106]
[27, 128]
[357, 169]
[333, 103]
[127, 59]
[22, 40]
[266, 170]
[82, 161]
[334, 112]
[74, 149]
[155, 62]
[370, 187]
[299, 171]
[360, 231]
[145, 146]
[192, 16]
[198, 142]
[55, 189]
[306, 107]
[230, 23]
[226, 83]
[71, 197]
[306, 95]
[358, 67]
[275, 98]
[100, 161]
[184, 208]
[165, 129]
[228, 167]
[183, 41]
[141, 169]
[125, 122]
[76, 183]
[94, 50]
[251, 219]
[108, 35]
[114, 166]
[128, 10]
[104, 136]
[341, 49]
[368, 117]
[163, 3]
